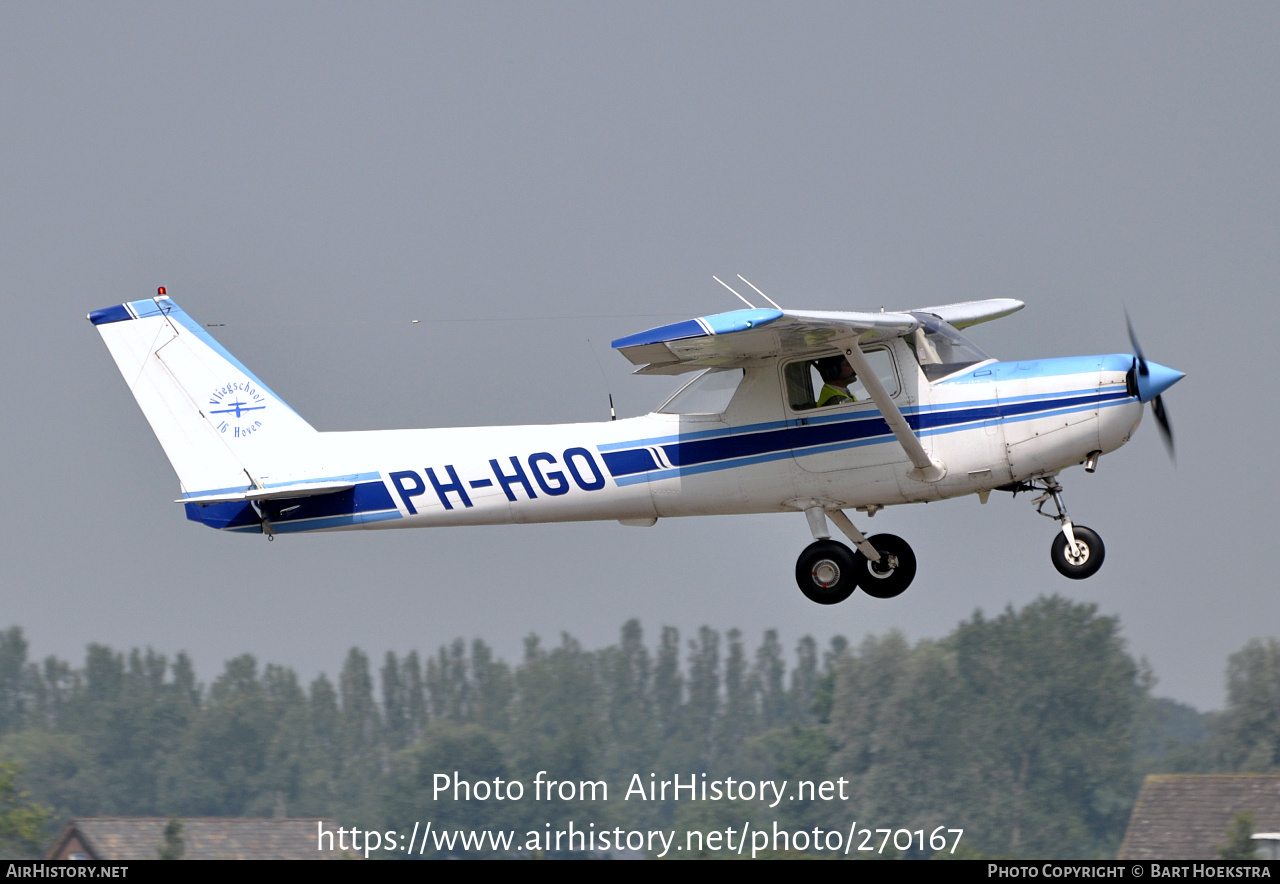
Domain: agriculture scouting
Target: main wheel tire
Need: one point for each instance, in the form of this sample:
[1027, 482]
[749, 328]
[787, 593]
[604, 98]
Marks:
[1089, 554]
[825, 572]
[893, 573]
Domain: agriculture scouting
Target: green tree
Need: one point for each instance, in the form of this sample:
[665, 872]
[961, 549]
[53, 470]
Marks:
[804, 681]
[898, 732]
[770, 673]
[492, 688]
[174, 845]
[668, 685]
[219, 768]
[1247, 732]
[395, 703]
[701, 712]
[1240, 843]
[461, 754]
[416, 696]
[1022, 724]
[1049, 695]
[22, 823]
[739, 719]
[13, 678]
[626, 672]
[557, 712]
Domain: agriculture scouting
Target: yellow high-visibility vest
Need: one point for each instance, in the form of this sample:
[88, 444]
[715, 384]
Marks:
[834, 396]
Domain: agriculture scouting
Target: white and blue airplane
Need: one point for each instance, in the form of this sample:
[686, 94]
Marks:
[821, 413]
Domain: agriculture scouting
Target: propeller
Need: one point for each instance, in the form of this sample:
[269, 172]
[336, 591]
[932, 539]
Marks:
[1150, 380]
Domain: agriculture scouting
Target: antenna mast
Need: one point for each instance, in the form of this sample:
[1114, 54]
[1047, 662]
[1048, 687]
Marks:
[740, 298]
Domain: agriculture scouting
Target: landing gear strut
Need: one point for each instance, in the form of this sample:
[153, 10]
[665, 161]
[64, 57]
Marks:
[828, 572]
[1077, 552]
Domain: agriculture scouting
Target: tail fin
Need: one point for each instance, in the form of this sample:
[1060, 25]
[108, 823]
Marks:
[222, 428]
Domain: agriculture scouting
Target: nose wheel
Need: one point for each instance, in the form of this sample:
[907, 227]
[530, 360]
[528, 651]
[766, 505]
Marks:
[1084, 559]
[1077, 552]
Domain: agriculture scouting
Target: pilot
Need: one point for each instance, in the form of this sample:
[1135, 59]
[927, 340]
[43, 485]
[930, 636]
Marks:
[837, 374]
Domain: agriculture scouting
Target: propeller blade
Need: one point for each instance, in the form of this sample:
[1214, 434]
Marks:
[1153, 382]
[1162, 418]
[1133, 340]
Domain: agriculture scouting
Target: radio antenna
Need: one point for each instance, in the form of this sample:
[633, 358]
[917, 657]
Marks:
[740, 298]
[613, 415]
[758, 292]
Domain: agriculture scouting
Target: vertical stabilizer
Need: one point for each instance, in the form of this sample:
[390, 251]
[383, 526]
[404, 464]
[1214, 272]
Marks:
[221, 427]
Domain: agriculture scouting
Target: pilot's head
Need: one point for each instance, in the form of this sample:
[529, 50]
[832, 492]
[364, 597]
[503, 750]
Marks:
[835, 369]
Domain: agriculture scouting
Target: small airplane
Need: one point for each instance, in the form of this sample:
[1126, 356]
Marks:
[819, 413]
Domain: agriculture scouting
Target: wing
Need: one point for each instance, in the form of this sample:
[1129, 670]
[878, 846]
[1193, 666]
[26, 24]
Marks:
[724, 338]
[969, 313]
[744, 334]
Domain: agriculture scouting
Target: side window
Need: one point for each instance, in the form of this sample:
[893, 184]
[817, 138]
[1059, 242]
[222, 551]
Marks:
[708, 393]
[830, 381]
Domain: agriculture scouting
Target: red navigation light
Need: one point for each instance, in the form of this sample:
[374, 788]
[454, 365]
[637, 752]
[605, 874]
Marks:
[160, 291]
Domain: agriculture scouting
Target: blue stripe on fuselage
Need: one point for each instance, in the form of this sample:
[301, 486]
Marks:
[738, 448]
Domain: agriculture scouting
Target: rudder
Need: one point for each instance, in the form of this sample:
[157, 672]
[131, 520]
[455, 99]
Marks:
[222, 429]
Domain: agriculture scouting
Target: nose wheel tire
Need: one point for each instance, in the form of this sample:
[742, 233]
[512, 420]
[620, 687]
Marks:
[1085, 560]
[826, 573]
[894, 572]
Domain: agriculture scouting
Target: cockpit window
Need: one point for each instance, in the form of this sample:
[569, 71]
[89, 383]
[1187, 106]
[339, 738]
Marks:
[940, 348]
[708, 393]
[830, 380]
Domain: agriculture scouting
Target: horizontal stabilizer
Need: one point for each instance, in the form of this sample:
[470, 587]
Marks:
[302, 489]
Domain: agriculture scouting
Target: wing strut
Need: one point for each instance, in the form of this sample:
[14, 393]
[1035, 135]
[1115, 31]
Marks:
[926, 469]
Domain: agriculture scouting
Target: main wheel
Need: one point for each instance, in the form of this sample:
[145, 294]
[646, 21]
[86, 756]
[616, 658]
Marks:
[894, 572]
[1087, 558]
[825, 572]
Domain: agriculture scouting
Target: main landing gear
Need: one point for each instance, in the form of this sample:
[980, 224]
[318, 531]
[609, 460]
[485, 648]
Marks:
[828, 572]
[1077, 552]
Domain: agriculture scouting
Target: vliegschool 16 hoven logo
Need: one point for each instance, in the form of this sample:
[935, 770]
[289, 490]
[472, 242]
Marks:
[235, 408]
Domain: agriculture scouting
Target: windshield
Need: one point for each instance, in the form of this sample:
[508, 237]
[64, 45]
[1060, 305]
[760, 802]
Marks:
[708, 393]
[941, 349]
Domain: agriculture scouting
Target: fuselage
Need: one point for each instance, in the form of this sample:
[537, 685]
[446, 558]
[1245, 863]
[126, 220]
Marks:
[990, 424]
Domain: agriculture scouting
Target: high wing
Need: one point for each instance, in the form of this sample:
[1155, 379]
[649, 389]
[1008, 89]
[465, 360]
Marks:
[968, 313]
[724, 338]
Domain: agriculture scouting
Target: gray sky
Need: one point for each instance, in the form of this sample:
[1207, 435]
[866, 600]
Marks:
[527, 177]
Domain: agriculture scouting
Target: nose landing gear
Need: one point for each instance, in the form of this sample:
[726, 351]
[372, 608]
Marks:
[1082, 561]
[1077, 552]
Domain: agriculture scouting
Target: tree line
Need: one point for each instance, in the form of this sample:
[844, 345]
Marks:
[1030, 730]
